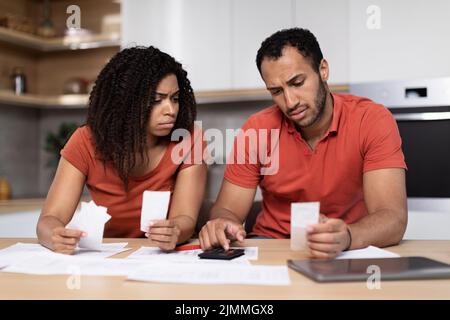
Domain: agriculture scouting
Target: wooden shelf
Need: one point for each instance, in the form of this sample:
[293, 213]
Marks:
[70, 101]
[58, 44]
[80, 101]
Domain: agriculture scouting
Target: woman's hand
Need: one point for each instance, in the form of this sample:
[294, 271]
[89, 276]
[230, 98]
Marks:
[65, 240]
[164, 233]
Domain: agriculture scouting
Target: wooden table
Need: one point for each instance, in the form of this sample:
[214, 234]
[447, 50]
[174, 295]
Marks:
[275, 252]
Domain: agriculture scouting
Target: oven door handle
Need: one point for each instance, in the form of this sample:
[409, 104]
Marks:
[422, 116]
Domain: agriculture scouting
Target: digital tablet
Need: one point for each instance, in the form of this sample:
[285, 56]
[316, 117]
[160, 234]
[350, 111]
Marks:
[402, 268]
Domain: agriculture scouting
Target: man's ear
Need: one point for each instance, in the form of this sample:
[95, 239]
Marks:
[324, 70]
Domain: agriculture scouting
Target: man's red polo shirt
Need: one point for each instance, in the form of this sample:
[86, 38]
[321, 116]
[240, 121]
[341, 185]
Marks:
[363, 136]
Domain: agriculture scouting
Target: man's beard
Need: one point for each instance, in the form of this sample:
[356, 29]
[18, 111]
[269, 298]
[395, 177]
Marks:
[320, 102]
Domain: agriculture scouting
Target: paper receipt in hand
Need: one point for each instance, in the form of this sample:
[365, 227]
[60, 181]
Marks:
[90, 219]
[154, 207]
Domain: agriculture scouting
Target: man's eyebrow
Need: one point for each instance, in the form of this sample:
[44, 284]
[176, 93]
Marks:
[290, 81]
[295, 78]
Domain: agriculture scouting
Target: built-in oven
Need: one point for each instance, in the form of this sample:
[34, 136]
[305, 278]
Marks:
[422, 111]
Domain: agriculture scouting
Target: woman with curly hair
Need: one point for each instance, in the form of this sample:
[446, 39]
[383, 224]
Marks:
[140, 97]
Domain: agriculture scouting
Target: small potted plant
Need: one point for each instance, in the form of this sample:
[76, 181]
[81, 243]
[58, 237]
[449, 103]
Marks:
[55, 141]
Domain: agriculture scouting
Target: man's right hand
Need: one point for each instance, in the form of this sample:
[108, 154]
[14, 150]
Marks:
[65, 240]
[220, 232]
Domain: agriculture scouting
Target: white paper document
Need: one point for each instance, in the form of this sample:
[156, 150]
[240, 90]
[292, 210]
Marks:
[20, 251]
[51, 264]
[90, 219]
[302, 215]
[370, 252]
[150, 253]
[155, 205]
[219, 274]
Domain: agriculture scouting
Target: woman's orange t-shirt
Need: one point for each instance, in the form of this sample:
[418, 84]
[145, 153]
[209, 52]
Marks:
[107, 190]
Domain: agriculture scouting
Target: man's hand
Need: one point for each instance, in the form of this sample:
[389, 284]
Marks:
[164, 233]
[65, 240]
[220, 232]
[328, 238]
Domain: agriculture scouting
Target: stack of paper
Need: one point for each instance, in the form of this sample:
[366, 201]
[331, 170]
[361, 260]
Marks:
[21, 251]
[47, 264]
[90, 219]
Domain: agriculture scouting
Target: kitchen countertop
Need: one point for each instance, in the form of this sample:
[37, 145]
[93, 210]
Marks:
[23, 205]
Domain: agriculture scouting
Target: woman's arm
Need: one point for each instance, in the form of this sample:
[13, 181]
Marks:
[186, 202]
[59, 207]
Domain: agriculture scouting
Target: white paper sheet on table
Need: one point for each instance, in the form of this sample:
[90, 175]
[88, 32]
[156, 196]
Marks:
[370, 252]
[51, 264]
[150, 253]
[90, 219]
[220, 274]
[155, 205]
[21, 251]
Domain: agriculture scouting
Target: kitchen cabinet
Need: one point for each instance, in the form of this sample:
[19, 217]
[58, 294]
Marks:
[217, 40]
[196, 32]
[410, 43]
[328, 20]
[252, 22]
[21, 224]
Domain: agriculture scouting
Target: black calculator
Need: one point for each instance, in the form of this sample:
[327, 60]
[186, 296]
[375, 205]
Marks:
[221, 254]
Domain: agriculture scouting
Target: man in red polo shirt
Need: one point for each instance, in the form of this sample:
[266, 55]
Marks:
[341, 150]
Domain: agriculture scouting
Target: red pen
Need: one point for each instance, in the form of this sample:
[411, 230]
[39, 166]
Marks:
[188, 247]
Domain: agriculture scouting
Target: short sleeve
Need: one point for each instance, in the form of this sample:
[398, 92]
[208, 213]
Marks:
[380, 140]
[76, 151]
[243, 165]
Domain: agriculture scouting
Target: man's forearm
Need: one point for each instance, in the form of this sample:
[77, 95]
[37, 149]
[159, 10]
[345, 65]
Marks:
[381, 228]
[217, 212]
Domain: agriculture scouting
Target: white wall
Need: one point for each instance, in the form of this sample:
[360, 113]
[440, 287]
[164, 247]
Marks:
[413, 41]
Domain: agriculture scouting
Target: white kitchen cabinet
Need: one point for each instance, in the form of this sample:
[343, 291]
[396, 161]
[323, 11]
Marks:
[19, 224]
[410, 43]
[196, 32]
[252, 22]
[328, 21]
[217, 40]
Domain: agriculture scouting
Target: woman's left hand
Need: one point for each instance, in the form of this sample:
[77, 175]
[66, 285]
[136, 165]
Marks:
[164, 233]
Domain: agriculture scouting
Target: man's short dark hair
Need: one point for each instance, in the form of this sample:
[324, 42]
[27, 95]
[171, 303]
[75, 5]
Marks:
[302, 39]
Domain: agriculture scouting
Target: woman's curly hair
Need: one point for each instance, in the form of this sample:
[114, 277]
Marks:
[121, 102]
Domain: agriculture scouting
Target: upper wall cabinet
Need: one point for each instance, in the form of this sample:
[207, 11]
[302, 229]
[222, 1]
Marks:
[402, 39]
[196, 32]
[217, 40]
[252, 22]
[328, 20]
